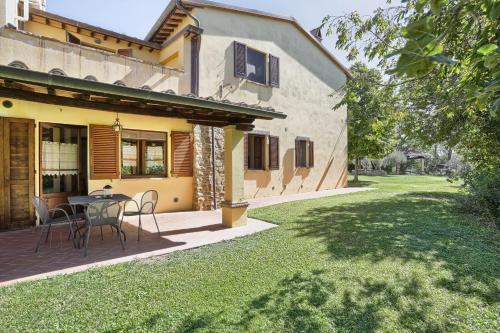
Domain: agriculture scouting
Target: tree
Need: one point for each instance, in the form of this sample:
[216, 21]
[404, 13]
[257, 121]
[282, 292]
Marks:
[443, 59]
[372, 115]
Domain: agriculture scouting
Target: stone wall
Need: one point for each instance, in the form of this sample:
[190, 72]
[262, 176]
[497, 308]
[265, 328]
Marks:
[202, 170]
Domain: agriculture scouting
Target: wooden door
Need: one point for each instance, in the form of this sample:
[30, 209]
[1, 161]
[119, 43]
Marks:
[17, 177]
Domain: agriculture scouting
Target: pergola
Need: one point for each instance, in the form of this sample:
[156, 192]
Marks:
[55, 89]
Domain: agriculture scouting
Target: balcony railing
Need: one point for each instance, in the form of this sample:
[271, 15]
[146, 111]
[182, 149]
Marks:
[48, 55]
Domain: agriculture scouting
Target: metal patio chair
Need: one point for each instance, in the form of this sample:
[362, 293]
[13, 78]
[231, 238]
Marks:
[95, 194]
[101, 213]
[147, 206]
[48, 219]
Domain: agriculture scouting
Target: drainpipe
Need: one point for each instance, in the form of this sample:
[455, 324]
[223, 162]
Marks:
[214, 193]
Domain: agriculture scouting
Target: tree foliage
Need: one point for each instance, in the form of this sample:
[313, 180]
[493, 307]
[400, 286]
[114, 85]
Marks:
[372, 114]
[443, 59]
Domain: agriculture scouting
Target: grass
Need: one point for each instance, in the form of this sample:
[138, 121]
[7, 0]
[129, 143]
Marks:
[396, 259]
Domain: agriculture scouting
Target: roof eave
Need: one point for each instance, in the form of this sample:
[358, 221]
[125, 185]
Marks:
[105, 89]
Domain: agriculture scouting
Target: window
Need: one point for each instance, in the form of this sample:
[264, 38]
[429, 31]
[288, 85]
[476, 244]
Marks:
[255, 65]
[256, 152]
[304, 153]
[143, 154]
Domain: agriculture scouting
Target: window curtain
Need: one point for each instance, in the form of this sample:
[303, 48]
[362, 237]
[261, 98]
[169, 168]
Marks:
[59, 159]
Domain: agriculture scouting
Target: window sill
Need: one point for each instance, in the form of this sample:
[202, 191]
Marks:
[258, 83]
[149, 177]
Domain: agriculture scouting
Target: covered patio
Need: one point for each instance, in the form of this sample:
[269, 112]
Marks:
[57, 89]
[178, 230]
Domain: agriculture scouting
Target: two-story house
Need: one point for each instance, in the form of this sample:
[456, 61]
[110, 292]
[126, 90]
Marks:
[216, 105]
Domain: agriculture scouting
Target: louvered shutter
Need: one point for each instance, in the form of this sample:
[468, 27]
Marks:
[182, 154]
[104, 152]
[311, 154]
[274, 71]
[274, 153]
[125, 52]
[245, 155]
[297, 153]
[240, 60]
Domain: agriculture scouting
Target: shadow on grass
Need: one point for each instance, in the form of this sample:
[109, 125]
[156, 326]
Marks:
[309, 302]
[416, 226]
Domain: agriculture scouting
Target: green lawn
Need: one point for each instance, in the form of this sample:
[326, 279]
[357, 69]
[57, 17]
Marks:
[396, 259]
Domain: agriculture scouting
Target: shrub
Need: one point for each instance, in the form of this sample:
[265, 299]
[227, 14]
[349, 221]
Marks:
[483, 194]
[396, 161]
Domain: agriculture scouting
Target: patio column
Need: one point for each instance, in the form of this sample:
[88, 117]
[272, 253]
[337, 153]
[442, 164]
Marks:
[234, 208]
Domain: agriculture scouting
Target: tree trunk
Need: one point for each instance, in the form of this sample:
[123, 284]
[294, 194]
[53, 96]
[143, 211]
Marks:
[356, 166]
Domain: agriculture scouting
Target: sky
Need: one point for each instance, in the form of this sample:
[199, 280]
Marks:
[135, 18]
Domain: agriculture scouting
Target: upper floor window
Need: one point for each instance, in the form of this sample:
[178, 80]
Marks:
[304, 153]
[255, 65]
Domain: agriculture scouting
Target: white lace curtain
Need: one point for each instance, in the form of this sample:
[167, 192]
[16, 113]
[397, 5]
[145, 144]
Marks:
[59, 159]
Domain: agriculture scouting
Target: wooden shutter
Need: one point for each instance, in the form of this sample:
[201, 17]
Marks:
[182, 151]
[274, 71]
[240, 60]
[274, 153]
[245, 155]
[125, 52]
[104, 152]
[311, 154]
[18, 172]
[297, 153]
[70, 38]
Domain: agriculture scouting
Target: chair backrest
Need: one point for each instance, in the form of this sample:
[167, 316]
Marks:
[148, 202]
[103, 212]
[42, 209]
[96, 193]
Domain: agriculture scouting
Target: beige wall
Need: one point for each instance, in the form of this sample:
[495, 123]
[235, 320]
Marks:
[110, 44]
[307, 79]
[175, 194]
[43, 55]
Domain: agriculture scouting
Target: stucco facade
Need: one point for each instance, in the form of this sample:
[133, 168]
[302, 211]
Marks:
[309, 88]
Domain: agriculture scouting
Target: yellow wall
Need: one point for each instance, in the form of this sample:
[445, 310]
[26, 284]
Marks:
[173, 54]
[109, 44]
[169, 189]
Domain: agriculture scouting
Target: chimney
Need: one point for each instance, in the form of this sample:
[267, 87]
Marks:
[317, 34]
[12, 12]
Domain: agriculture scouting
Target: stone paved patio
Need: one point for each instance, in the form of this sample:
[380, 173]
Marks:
[179, 231]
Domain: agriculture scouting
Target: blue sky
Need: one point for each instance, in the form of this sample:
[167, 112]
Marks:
[135, 18]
